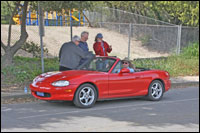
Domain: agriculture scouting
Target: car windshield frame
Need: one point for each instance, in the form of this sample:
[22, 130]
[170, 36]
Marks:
[100, 64]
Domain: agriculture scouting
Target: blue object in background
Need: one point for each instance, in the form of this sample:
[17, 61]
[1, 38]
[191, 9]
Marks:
[61, 21]
[47, 21]
[79, 15]
[56, 19]
[29, 17]
[37, 18]
[25, 90]
[83, 18]
[70, 17]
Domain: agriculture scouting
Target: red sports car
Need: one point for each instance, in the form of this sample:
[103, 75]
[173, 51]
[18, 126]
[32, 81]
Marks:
[101, 78]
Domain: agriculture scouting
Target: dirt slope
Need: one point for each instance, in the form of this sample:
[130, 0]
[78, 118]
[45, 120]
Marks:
[56, 36]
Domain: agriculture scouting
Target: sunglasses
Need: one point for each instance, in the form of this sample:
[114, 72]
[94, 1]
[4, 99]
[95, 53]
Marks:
[125, 63]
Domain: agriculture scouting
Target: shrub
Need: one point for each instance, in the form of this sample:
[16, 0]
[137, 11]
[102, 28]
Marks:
[34, 48]
[145, 39]
[191, 51]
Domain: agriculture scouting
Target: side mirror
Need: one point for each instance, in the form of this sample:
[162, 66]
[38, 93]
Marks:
[125, 70]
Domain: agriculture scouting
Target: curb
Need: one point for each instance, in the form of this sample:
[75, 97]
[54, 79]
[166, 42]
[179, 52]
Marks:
[181, 85]
[173, 86]
[17, 96]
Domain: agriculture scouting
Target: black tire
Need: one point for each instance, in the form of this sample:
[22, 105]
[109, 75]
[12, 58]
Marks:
[155, 90]
[85, 96]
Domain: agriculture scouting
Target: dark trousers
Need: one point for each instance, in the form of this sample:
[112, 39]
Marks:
[62, 68]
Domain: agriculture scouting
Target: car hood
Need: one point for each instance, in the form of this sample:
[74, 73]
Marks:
[63, 75]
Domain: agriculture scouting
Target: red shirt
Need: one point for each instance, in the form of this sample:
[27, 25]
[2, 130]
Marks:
[99, 49]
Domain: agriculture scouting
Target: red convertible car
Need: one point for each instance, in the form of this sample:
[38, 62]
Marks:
[101, 78]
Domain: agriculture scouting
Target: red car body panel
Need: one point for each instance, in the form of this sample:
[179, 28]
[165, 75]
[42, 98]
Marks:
[108, 85]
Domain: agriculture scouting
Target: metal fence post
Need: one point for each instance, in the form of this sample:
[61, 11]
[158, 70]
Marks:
[129, 41]
[119, 28]
[178, 47]
[41, 33]
[71, 24]
[101, 17]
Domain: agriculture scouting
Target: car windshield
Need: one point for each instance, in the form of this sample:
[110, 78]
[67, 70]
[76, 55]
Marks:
[102, 64]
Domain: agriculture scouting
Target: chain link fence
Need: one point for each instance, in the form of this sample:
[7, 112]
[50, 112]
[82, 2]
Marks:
[153, 35]
[189, 35]
[131, 35]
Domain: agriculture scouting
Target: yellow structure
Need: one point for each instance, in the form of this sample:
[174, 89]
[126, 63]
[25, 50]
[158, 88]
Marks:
[52, 15]
[49, 16]
[76, 19]
[16, 19]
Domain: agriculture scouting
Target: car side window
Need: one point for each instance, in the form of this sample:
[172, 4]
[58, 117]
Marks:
[117, 67]
[103, 65]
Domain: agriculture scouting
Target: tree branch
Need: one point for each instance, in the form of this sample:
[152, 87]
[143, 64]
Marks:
[90, 25]
[10, 22]
[3, 46]
[23, 25]
[24, 34]
[9, 6]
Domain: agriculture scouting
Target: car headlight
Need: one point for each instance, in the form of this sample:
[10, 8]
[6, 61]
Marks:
[60, 83]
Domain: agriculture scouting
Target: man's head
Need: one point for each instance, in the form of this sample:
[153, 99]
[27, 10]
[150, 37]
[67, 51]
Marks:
[125, 64]
[84, 36]
[76, 39]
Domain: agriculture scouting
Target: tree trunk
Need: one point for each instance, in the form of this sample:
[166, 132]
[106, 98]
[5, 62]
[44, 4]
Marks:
[90, 25]
[7, 58]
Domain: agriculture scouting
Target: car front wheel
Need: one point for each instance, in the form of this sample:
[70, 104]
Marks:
[156, 90]
[85, 96]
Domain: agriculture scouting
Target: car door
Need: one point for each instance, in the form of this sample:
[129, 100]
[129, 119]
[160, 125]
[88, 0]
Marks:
[124, 84]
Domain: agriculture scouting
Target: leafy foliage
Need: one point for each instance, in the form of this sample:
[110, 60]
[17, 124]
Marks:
[33, 48]
[6, 7]
[59, 5]
[26, 69]
[176, 12]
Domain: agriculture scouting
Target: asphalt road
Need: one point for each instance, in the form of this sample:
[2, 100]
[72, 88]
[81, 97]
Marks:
[177, 111]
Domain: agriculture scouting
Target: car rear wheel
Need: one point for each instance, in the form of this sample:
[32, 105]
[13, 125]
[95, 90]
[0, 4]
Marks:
[156, 90]
[85, 96]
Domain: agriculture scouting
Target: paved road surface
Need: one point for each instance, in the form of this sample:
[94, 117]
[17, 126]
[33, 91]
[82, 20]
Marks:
[177, 111]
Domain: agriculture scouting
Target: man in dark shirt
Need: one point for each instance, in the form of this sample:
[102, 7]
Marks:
[70, 55]
[83, 44]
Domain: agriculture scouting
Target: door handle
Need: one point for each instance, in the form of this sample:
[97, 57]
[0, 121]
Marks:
[137, 77]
